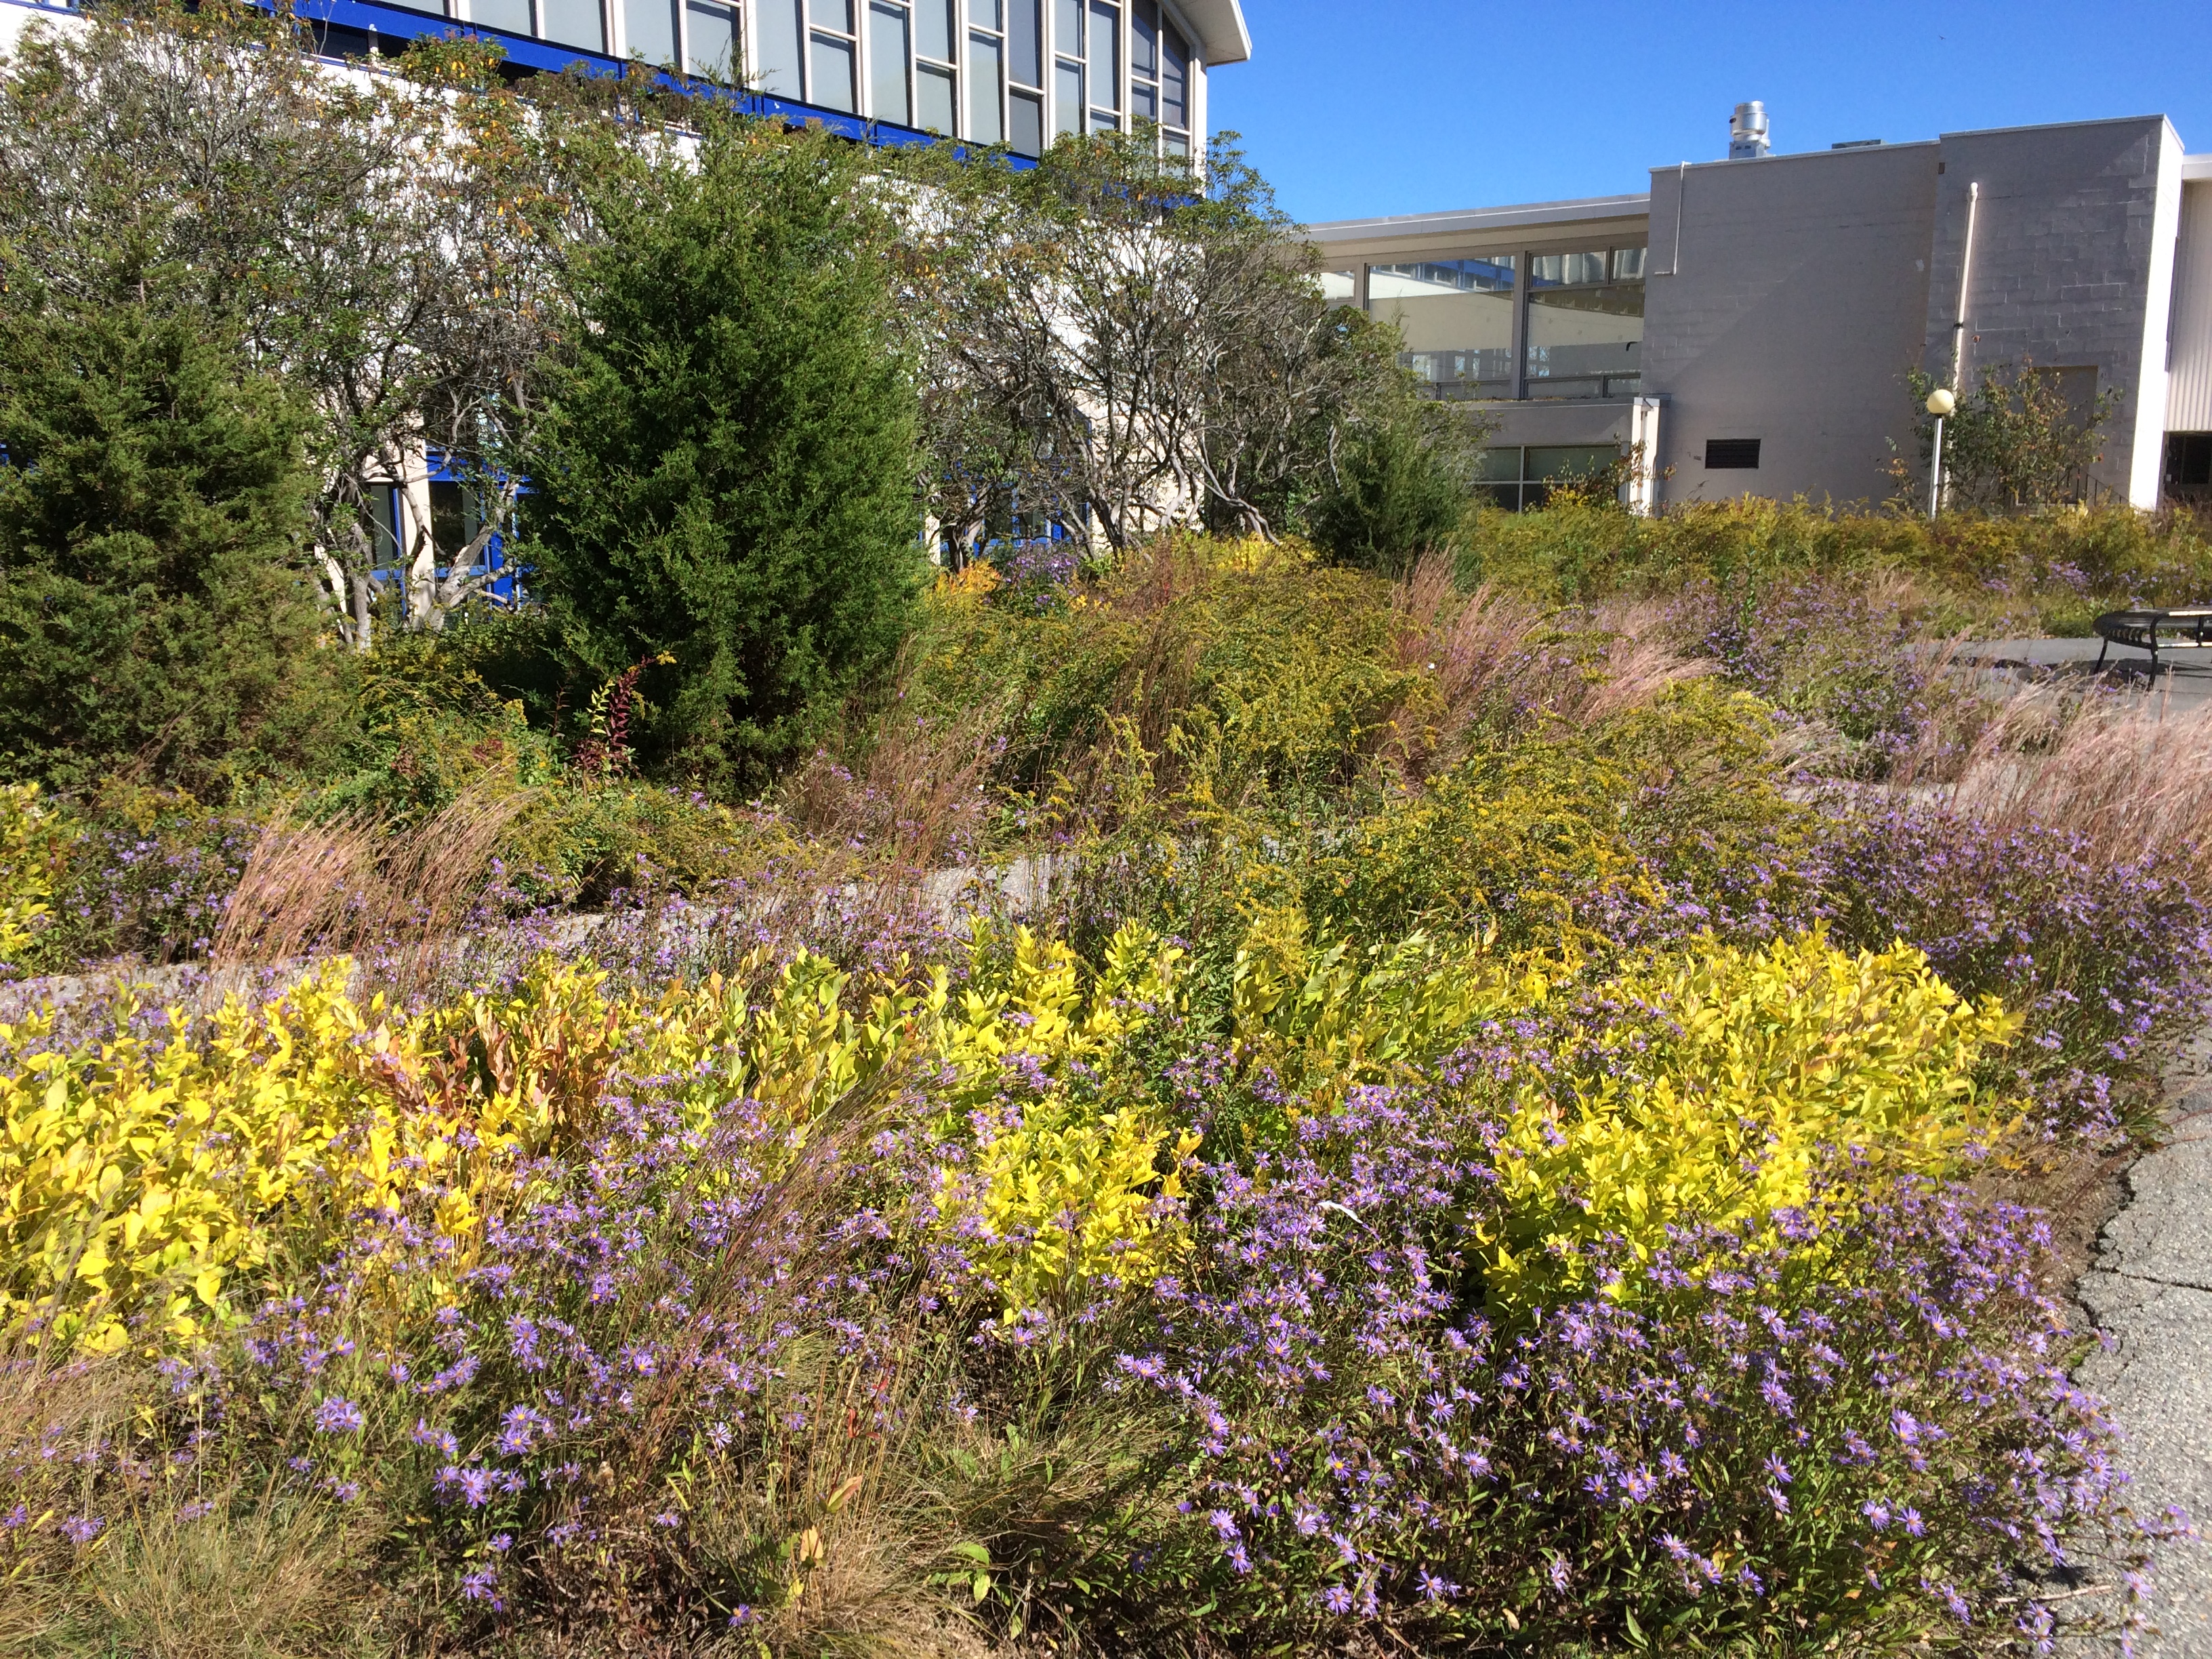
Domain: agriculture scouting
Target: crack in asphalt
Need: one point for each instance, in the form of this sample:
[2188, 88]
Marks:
[2150, 1367]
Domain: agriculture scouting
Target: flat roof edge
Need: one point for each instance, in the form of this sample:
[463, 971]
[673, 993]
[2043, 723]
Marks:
[1502, 218]
[2053, 127]
[1224, 36]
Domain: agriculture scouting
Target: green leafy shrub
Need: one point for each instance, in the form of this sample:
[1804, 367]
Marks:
[140, 874]
[27, 875]
[154, 612]
[1219, 672]
[726, 479]
[1400, 487]
[2004, 576]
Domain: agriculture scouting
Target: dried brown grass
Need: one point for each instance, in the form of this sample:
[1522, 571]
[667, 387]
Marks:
[354, 884]
[914, 797]
[2130, 773]
[263, 1576]
[1498, 660]
[257, 1576]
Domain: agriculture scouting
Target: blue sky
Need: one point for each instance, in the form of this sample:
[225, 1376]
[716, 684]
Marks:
[1354, 107]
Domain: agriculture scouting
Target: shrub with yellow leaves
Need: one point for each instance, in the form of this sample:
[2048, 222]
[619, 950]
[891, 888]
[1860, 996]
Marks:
[172, 1180]
[1720, 1084]
[26, 870]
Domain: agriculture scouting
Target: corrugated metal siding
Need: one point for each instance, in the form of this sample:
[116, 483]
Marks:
[2189, 395]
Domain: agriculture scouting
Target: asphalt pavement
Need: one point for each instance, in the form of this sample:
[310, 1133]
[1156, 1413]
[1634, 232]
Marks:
[2183, 680]
[2150, 1291]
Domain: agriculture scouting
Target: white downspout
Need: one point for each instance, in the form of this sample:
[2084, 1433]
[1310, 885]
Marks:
[1958, 344]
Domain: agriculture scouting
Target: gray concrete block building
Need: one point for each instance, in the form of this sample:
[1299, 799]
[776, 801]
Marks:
[1747, 326]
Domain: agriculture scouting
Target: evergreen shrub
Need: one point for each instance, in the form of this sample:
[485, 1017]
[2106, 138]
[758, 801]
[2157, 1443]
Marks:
[724, 493]
[154, 616]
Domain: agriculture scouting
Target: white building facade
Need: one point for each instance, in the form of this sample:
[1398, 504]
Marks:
[1016, 73]
[1747, 326]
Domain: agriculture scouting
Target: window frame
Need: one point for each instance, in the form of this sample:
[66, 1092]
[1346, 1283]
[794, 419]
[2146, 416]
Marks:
[953, 68]
[970, 32]
[904, 9]
[1523, 387]
[1118, 112]
[856, 41]
[1062, 58]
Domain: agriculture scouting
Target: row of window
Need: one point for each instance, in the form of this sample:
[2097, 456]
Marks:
[1521, 478]
[1511, 325]
[1027, 69]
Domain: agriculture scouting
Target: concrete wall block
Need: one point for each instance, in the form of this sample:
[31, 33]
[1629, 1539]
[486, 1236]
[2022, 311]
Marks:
[1797, 308]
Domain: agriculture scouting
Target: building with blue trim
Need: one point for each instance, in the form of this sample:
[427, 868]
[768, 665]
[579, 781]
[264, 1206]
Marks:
[1016, 73]
[1008, 74]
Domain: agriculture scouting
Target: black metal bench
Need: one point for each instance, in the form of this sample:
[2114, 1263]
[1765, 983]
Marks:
[2154, 631]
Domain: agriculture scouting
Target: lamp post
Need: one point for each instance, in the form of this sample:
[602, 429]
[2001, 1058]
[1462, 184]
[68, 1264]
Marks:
[1941, 403]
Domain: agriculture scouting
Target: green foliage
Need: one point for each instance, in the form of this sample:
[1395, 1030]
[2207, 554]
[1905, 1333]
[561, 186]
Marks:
[2002, 576]
[727, 475]
[153, 614]
[1399, 487]
[1197, 672]
[2015, 440]
[27, 836]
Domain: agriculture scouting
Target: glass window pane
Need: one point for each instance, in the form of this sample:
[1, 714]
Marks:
[1067, 98]
[1456, 316]
[933, 97]
[1179, 143]
[933, 31]
[574, 23]
[1025, 123]
[650, 26]
[1571, 461]
[832, 14]
[1175, 79]
[984, 15]
[780, 37]
[887, 64]
[1025, 43]
[384, 523]
[1499, 464]
[1104, 120]
[1144, 102]
[1628, 265]
[1067, 28]
[512, 16]
[832, 64]
[1339, 288]
[1565, 269]
[710, 40]
[1105, 56]
[984, 125]
[1585, 332]
[1144, 38]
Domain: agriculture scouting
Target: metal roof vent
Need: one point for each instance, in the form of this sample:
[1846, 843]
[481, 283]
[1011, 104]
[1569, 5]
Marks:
[1748, 132]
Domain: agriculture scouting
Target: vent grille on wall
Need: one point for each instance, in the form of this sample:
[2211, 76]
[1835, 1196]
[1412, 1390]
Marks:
[1731, 453]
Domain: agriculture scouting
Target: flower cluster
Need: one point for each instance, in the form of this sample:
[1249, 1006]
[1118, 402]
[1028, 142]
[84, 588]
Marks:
[1750, 1442]
[2107, 964]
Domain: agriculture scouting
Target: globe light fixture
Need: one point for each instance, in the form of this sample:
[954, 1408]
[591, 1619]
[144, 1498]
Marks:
[1941, 402]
